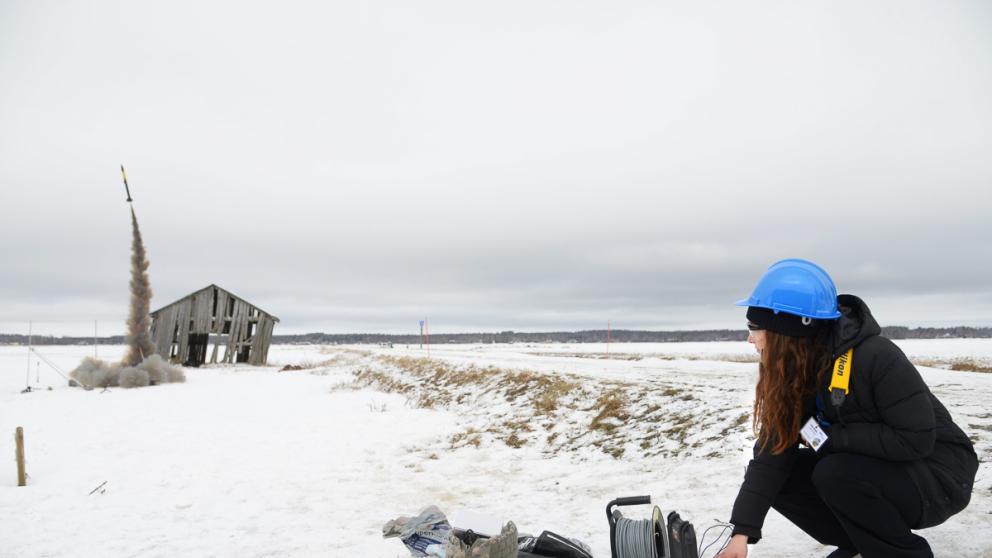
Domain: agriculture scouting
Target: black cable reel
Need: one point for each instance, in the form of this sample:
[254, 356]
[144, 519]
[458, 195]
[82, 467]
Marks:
[630, 538]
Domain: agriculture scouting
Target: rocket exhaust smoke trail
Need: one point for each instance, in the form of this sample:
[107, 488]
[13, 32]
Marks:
[141, 365]
[139, 322]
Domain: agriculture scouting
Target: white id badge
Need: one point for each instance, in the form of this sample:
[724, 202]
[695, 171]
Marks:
[813, 435]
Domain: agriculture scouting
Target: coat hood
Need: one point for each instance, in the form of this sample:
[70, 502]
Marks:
[854, 325]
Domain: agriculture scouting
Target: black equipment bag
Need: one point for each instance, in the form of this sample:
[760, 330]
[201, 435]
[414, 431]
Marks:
[552, 545]
[546, 545]
[681, 537]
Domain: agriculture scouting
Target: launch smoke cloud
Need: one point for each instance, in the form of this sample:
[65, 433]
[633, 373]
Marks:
[141, 365]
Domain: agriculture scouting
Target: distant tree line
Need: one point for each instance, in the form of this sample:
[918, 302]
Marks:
[590, 336]
[18, 339]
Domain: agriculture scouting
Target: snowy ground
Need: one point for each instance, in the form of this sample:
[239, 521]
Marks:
[250, 461]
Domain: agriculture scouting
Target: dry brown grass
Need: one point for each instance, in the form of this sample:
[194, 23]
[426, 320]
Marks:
[302, 365]
[612, 410]
[741, 420]
[961, 364]
[560, 412]
[339, 359]
[512, 432]
[680, 428]
[470, 437]
[969, 365]
[387, 382]
[550, 390]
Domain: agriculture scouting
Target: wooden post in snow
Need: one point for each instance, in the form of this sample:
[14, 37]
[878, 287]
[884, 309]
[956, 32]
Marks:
[19, 441]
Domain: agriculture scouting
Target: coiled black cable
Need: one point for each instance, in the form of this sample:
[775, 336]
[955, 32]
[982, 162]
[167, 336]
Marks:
[640, 538]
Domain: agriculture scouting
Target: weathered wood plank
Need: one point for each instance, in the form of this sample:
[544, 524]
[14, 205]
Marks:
[260, 344]
[165, 326]
[237, 328]
[183, 317]
[222, 297]
[267, 340]
[203, 306]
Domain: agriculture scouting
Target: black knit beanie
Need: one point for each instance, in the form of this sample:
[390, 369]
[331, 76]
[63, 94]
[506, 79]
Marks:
[784, 323]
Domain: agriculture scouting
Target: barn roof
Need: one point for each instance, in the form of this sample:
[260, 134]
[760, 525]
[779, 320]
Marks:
[214, 286]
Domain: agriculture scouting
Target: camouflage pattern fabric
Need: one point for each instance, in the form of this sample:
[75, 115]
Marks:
[502, 546]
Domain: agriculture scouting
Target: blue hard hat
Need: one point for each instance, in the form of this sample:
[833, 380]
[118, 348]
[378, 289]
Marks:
[796, 286]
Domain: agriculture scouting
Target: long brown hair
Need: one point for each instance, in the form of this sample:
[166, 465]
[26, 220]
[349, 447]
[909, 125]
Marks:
[791, 368]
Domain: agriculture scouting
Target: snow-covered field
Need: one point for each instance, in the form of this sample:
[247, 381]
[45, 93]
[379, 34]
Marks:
[251, 461]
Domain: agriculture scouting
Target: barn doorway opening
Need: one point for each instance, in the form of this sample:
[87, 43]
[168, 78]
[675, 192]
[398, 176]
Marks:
[244, 354]
[197, 349]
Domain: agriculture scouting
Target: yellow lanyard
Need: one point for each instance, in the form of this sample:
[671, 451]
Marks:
[841, 380]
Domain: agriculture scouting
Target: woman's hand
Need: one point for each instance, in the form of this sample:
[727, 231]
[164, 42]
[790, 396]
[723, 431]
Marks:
[736, 549]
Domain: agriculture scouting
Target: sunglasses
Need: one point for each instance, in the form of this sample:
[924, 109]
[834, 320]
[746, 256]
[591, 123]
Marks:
[754, 327]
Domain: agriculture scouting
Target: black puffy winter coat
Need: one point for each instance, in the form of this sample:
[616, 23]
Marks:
[889, 413]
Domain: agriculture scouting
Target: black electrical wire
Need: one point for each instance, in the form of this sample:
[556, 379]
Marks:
[723, 535]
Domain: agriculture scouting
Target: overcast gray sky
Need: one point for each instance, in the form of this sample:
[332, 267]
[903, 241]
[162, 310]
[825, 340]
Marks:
[355, 166]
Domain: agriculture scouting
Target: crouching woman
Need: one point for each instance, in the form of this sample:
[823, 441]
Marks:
[852, 447]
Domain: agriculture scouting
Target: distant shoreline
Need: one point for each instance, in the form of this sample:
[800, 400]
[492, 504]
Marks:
[587, 336]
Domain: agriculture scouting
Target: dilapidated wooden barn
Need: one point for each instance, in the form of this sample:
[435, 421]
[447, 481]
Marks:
[237, 331]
